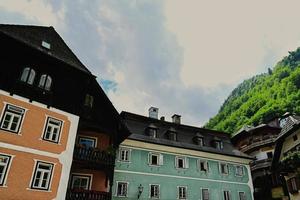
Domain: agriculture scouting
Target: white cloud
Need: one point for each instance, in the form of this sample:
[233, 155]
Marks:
[38, 11]
[227, 41]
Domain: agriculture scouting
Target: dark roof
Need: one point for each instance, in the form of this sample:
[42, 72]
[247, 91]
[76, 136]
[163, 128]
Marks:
[137, 124]
[33, 37]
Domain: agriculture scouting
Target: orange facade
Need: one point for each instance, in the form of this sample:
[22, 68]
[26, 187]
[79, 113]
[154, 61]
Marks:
[36, 159]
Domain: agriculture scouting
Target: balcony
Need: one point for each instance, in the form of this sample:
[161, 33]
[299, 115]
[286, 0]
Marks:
[87, 195]
[258, 164]
[258, 142]
[90, 156]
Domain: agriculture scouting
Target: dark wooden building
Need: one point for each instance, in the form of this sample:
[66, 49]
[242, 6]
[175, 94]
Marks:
[37, 64]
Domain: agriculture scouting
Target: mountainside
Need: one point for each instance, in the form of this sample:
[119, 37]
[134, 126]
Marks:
[262, 97]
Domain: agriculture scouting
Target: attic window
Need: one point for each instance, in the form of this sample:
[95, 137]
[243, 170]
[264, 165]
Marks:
[198, 139]
[218, 144]
[89, 100]
[152, 132]
[172, 136]
[46, 45]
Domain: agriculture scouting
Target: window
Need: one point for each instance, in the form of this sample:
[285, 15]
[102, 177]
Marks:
[124, 155]
[87, 142]
[205, 194]
[52, 130]
[28, 75]
[42, 176]
[182, 192]
[295, 137]
[154, 191]
[122, 189]
[155, 159]
[181, 162]
[12, 118]
[223, 168]
[293, 184]
[152, 132]
[242, 196]
[89, 100]
[4, 163]
[81, 181]
[199, 141]
[172, 136]
[218, 144]
[203, 165]
[239, 171]
[45, 82]
[226, 195]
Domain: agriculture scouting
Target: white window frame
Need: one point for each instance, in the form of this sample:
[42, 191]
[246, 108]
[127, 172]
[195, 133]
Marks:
[13, 111]
[239, 195]
[127, 186]
[28, 75]
[89, 177]
[202, 194]
[127, 151]
[185, 162]
[94, 139]
[53, 127]
[159, 156]
[158, 191]
[226, 195]
[43, 171]
[179, 192]
[206, 165]
[237, 167]
[227, 167]
[6, 167]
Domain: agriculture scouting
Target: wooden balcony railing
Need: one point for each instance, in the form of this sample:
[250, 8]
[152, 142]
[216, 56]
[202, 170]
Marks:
[257, 143]
[258, 164]
[93, 155]
[87, 195]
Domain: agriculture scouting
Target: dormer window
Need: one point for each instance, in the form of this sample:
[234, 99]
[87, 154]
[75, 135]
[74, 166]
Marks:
[151, 130]
[217, 143]
[28, 75]
[199, 139]
[45, 82]
[172, 135]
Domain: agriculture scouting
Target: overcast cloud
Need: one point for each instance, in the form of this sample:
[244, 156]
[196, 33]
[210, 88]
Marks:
[181, 56]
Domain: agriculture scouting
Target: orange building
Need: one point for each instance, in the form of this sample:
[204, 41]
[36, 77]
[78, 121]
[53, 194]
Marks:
[58, 129]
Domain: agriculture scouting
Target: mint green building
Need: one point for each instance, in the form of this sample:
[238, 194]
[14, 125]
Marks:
[169, 161]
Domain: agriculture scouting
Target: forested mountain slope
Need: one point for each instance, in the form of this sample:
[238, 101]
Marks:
[262, 97]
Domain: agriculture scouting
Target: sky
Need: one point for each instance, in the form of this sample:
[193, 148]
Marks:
[182, 56]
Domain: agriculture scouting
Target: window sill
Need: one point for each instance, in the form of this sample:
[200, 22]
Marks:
[38, 190]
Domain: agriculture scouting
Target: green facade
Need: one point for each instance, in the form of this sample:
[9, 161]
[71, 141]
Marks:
[137, 171]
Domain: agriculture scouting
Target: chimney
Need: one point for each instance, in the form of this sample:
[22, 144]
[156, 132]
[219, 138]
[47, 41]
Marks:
[153, 112]
[176, 119]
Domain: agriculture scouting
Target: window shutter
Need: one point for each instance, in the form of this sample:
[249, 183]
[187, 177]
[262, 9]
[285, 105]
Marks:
[176, 161]
[198, 164]
[206, 166]
[186, 162]
[161, 159]
[149, 158]
[289, 185]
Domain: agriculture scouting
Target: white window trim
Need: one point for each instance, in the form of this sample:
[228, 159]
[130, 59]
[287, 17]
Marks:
[4, 184]
[236, 169]
[159, 159]
[88, 137]
[199, 160]
[239, 194]
[186, 196]
[229, 193]
[60, 130]
[33, 173]
[129, 155]
[150, 191]
[201, 193]
[82, 174]
[220, 168]
[185, 162]
[19, 132]
[116, 194]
